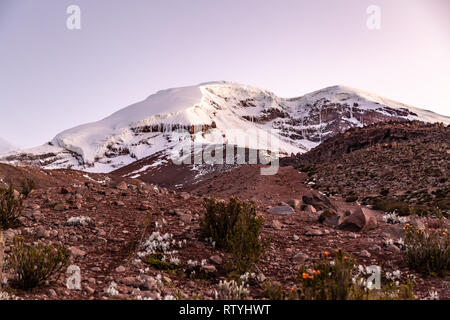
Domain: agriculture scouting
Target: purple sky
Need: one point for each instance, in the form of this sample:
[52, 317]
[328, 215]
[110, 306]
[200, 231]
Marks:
[52, 78]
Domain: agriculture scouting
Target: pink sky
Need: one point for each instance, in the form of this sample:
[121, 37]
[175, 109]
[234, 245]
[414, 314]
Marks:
[52, 78]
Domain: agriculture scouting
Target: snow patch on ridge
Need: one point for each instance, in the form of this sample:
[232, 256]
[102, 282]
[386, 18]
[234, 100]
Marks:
[143, 129]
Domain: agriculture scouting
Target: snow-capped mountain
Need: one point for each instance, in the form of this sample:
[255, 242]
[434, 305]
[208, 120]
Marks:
[5, 146]
[144, 129]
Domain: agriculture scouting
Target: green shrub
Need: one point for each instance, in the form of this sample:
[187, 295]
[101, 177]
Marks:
[390, 205]
[338, 279]
[427, 251]
[351, 198]
[27, 186]
[197, 272]
[158, 261]
[420, 210]
[34, 264]
[444, 204]
[327, 281]
[235, 227]
[272, 291]
[245, 244]
[10, 208]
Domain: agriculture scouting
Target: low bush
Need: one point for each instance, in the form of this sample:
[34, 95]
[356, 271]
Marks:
[327, 280]
[428, 251]
[34, 264]
[390, 205]
[231, 290]
[235, 227]
[351, 198]
[158, 261]
[444, 204]
[10, 208]
[340, 279]
[27, 186]
[273, 291]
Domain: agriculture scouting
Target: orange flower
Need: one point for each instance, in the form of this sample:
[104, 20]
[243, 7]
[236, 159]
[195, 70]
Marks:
[305, 275]
[326, 253]
[318, 272]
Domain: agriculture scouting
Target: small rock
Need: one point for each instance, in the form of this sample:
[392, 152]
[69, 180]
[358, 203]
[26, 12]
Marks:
[281, 210]
[184, 195]
[277, 225]
[300, 257]
[144, 206]
[216, 259]
[66, 190]
[329, 218]
[316, 232]
[52, 293]
[89, 290]
[365, 253]
[261, 277]
[61, 207]
[149, 283]
[16, 194]
[295, 237]
[294, 203]
[209, 268]
[41, 232]
[186, 218]
[123, 186]
[76, 252]
[34, 206]
[9, 235]
[121, 269]
[310, 209]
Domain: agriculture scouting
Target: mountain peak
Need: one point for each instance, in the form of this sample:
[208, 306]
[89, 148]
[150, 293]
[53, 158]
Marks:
[143, 129]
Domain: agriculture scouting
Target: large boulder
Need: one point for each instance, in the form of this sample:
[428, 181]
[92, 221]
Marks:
[330, 218]
[281, 210]
[318, 201]
[360, 220]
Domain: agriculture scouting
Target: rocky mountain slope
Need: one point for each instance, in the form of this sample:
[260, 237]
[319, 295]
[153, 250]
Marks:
[405, 164]
[237, 113]
[104, 222]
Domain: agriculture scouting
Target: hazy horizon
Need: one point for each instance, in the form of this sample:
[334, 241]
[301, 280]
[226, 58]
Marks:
[53, 78]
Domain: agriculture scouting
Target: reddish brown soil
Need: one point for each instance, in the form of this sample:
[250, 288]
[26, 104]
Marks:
[124, 216]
